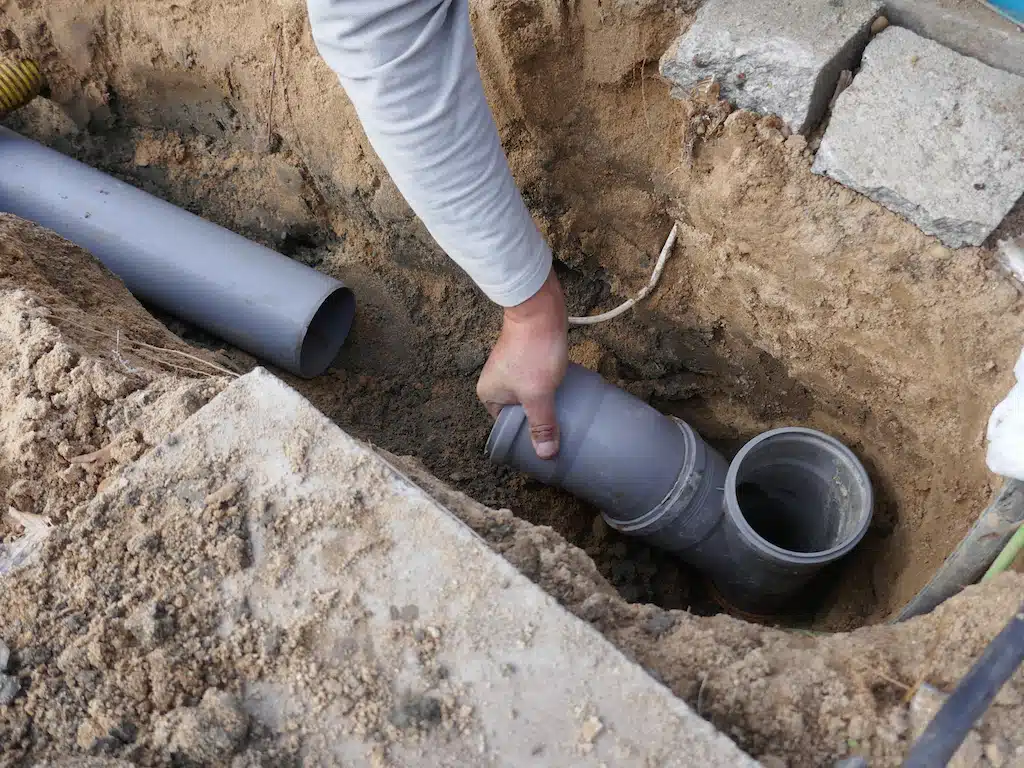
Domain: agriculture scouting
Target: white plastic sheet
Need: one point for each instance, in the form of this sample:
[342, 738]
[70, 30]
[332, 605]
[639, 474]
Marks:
[1006, 430]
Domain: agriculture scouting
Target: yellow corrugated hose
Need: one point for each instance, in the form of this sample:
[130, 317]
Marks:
[20, 82]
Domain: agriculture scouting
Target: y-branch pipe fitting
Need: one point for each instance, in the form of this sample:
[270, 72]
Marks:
[248, 295]
[792, 501]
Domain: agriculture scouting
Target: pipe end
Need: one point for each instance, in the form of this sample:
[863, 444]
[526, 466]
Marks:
[503, 433]
[799, 496]
[326, 332]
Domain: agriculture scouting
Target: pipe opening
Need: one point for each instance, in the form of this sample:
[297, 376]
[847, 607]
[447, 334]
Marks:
[327, 332]
[801, 492]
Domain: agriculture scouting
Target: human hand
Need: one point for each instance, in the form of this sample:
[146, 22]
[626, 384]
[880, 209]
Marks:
[529, 362]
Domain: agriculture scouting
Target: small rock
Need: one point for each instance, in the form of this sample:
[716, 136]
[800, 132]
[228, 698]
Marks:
[771, 761]
[796, 143]
[660, 623]
[879, 24]
[224, 494]
[9, 688]
[591, 729]
[995, 753]
[5, 656]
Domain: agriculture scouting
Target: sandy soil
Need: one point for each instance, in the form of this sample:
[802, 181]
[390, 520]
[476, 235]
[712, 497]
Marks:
[789, 300]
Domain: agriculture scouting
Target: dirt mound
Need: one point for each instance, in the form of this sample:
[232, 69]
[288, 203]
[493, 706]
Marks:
[89, 379]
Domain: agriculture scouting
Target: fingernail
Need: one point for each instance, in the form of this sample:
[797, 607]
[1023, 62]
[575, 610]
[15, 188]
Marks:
[546, 450]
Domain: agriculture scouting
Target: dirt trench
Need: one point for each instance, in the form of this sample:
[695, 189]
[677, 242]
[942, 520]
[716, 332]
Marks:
[790, 300]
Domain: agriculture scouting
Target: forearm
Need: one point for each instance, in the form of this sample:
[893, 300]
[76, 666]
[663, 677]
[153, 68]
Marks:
[409, 68]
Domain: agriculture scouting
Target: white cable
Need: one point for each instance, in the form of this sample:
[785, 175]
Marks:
[655, 276]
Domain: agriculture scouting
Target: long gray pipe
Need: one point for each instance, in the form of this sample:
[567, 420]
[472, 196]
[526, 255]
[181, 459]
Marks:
[792, 501]
[248, 295]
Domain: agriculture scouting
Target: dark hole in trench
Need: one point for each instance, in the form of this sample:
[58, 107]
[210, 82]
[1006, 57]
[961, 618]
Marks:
[773, 518]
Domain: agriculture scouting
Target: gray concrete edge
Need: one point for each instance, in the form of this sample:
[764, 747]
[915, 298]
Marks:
[995, 47]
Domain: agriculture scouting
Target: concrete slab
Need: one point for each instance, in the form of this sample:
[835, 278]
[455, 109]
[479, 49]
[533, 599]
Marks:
[348, 552]
[979, 33]
[782, 57]
[932, 135]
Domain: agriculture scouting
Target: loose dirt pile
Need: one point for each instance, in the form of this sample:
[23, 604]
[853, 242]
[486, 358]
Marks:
[81, 396]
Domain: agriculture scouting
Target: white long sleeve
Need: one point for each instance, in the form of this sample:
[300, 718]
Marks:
[409, 68]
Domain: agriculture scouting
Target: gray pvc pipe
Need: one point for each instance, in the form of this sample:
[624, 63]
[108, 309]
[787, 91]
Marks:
[248, 295]
[792, 501]
[616, 451]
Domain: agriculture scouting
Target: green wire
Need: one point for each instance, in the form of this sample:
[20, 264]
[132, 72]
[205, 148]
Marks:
[1007, 556]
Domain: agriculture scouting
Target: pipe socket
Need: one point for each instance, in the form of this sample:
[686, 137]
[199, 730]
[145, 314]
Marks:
[640, 468]
[248, 295]
[792, 501]
[795, 501]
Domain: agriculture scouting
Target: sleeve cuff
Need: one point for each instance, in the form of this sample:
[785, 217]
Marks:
[513, 292]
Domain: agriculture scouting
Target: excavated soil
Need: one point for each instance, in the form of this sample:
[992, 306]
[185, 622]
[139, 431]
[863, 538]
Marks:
[789, 300]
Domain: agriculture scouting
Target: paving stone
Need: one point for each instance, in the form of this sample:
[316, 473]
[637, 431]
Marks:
[932, 135]
[781, 57]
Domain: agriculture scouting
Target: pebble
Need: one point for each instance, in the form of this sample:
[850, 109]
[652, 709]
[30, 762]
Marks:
[660, 623]
[591, 729]
[9, 688]
[879, 25]
[995, 753]
[5, 656]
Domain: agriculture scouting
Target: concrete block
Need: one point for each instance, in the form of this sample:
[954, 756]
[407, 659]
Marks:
[932, 135]
[782, 57]
[998, 45]
[349, 553]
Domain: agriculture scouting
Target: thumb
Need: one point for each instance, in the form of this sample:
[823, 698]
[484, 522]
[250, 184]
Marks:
[543, 421]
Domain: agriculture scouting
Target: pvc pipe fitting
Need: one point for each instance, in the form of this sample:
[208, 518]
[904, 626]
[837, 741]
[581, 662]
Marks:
[650, 475]
[792, 501]
[248, 295]
[795, 501]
